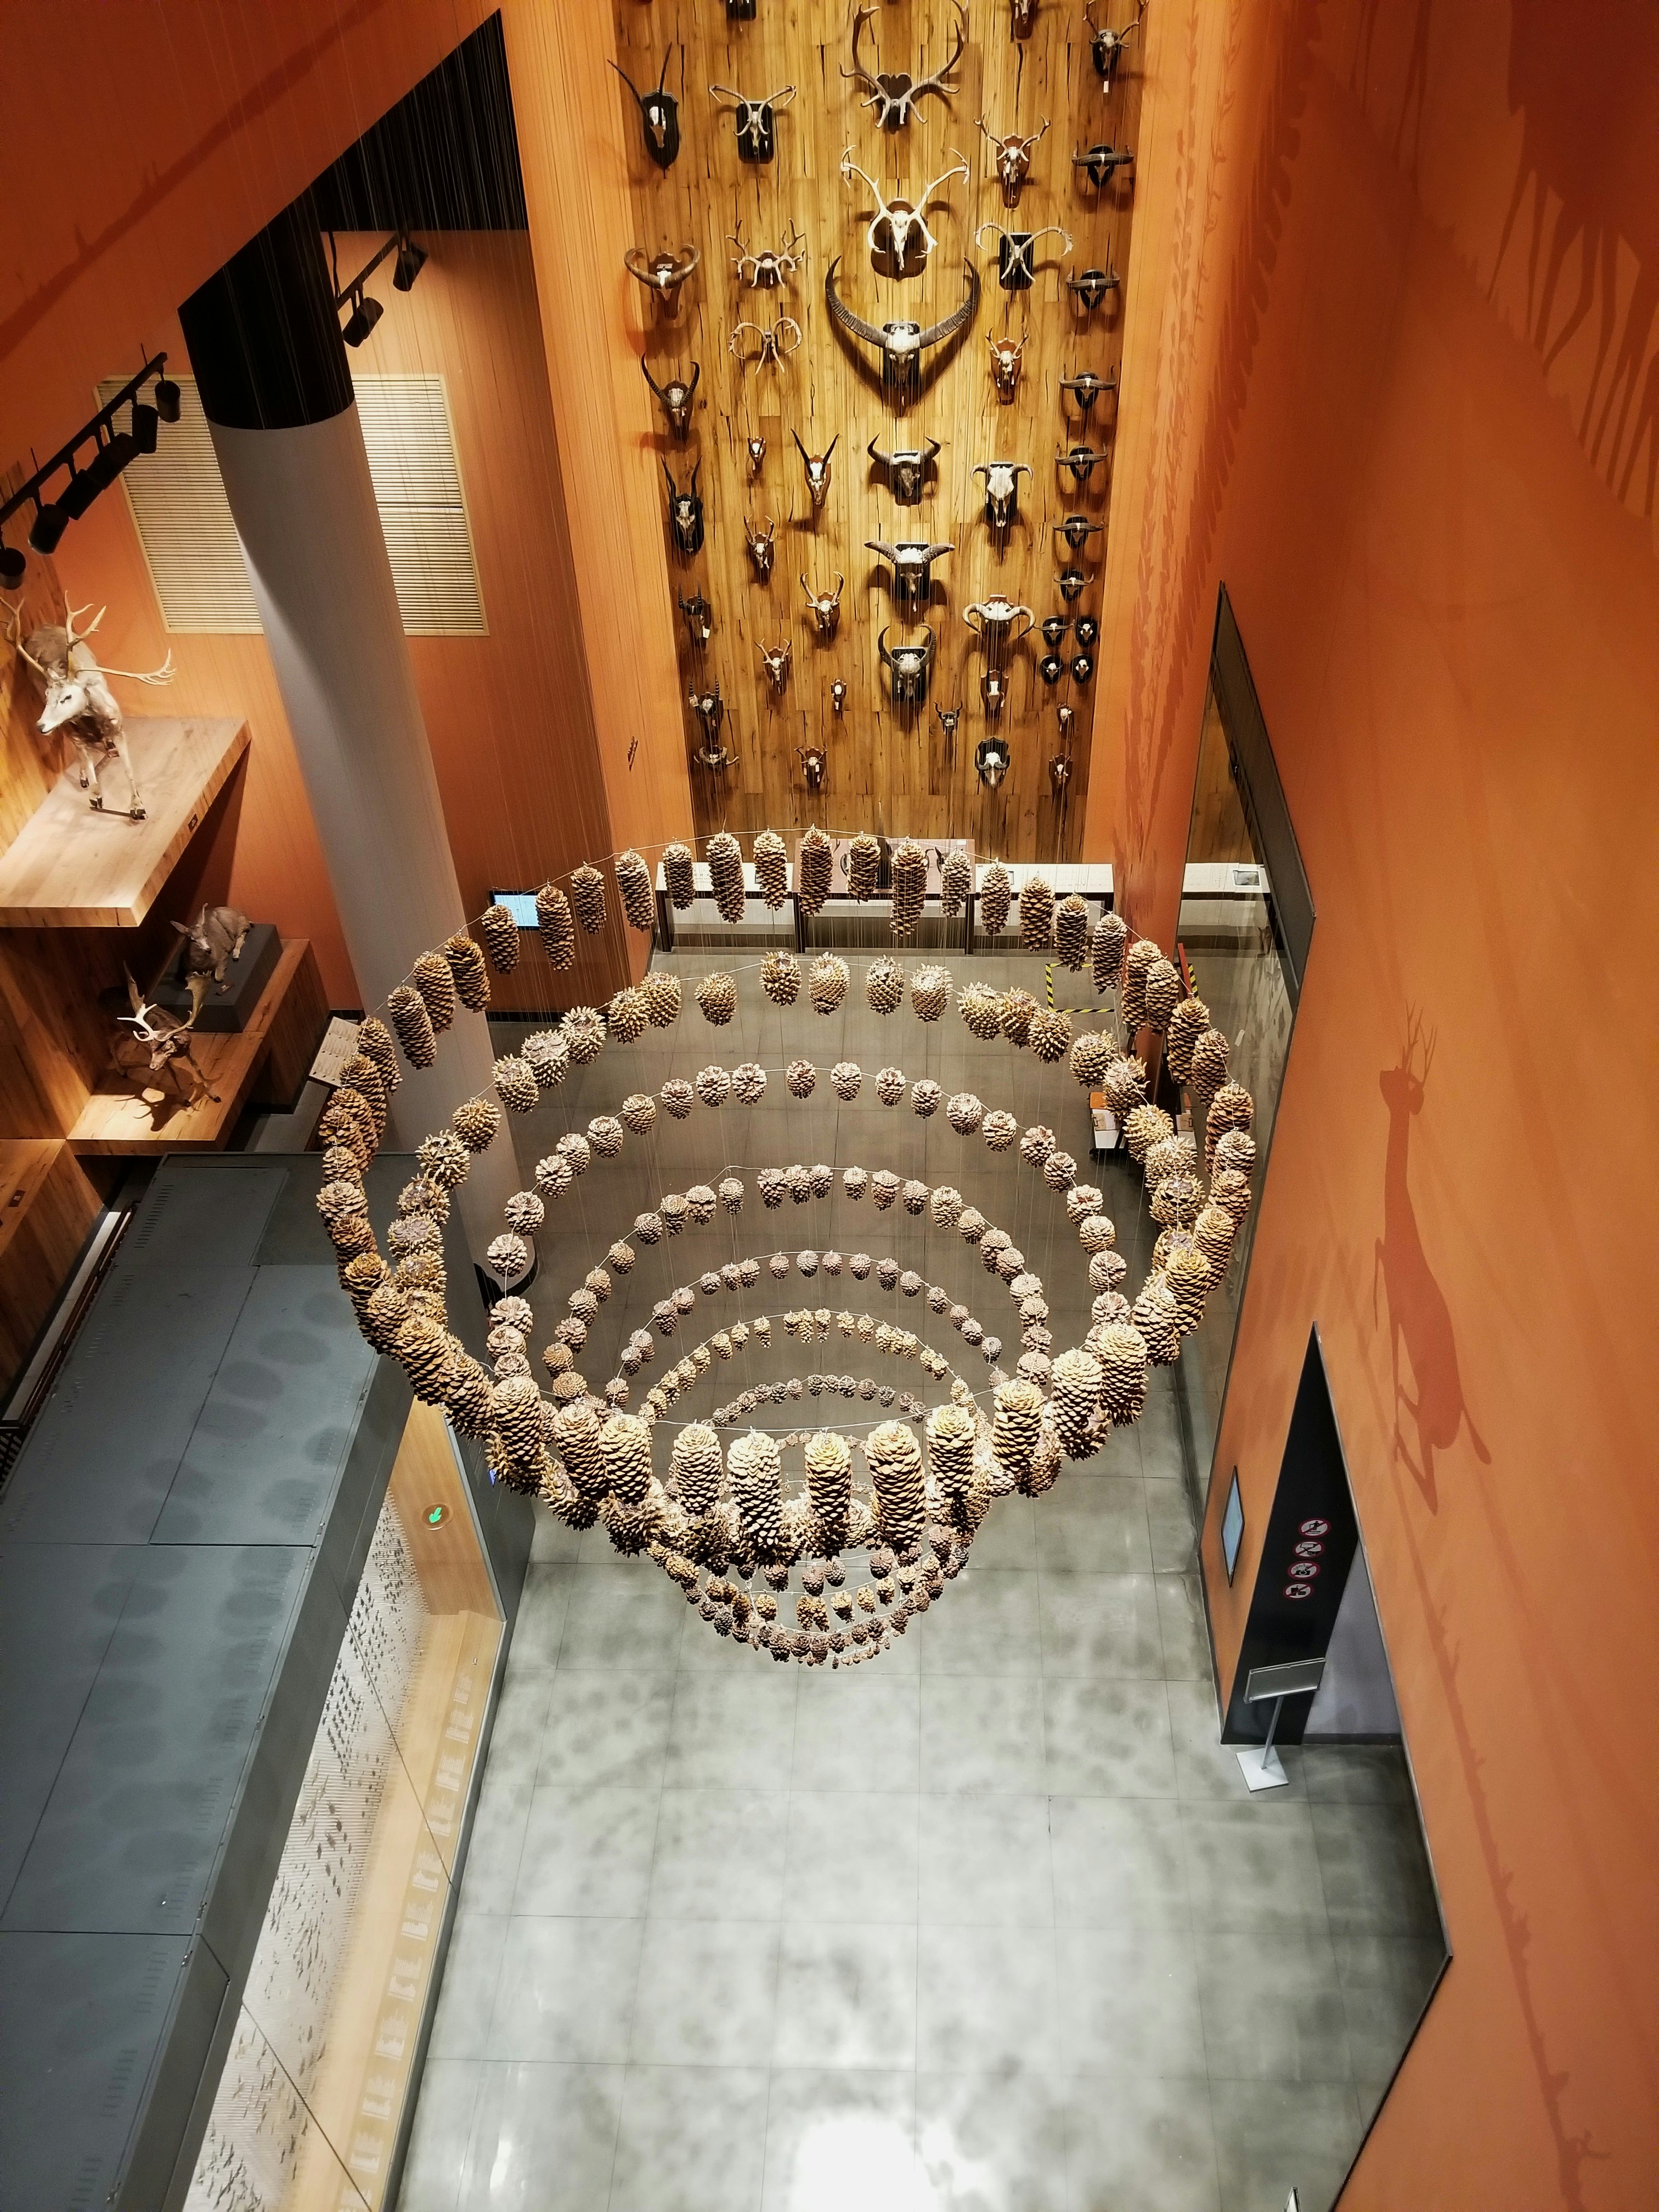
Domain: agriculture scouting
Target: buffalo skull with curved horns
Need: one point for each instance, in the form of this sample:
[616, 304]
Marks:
[906, 470]
[1001, 492]
[907, 668]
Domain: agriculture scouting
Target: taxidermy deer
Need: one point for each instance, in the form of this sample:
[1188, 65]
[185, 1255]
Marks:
[212, 942]
[78, 699]
[167, 1037]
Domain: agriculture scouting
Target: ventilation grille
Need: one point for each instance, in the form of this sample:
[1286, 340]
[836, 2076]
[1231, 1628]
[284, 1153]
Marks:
[195, 558]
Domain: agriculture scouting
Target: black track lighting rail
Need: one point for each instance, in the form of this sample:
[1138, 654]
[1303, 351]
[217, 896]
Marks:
[101, 429]
[366, 311]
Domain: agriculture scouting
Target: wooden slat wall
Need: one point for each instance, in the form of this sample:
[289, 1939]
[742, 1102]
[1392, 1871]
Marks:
[891, 770]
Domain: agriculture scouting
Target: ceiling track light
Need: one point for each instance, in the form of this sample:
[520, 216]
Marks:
[365, 311]
[112, 450]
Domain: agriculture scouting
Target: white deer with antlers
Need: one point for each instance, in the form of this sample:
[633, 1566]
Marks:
[78, 699]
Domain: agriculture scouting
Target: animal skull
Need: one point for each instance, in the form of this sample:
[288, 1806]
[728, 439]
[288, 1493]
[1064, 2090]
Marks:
[894, 93]
[775, 345]
[902, 220]
[1102, 163]
[699, 619]
[1070, 582]
[757, 451]
[1082, 461]
[992, 691]
[1007, 357]
[906, 471]
[1059, 772]
[1067, 717]
[1077, 530]
[1013, 157]
[814, 761]
[1085, 387]
[685, 513]
[765, 272]
[991, 760]
[1016, 252]
[1106, 45]
[661, 114]
[992, 621]
[912, 561]
[818, 470]
[1091, 287]
[756, 119]
[662, 273]
[908, 667]
[775, 660]
[1001, 492]
[948, 719]
[901, 345]
[762, 547]
[825, 607]
[710, 708]
[676, 397]
[837, 696]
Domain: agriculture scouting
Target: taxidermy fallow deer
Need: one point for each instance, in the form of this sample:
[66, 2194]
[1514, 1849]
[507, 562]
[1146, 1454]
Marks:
[78, 699]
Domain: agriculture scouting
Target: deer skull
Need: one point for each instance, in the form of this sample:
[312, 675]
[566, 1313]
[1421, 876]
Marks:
[814, 761]
[825, 607]
[761, 546]
[775, 660]
[1007, 357]
[1013, 158]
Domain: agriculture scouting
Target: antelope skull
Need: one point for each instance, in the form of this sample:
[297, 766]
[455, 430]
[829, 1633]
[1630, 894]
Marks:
[1007, 358]
[824, 606]
[685, 512]
[775, 660]
[762, 547]
[814, 761]
[676, 397]
[818, 470]
[699, 619]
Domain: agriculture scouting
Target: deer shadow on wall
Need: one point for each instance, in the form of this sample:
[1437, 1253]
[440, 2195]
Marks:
[1417, 1306]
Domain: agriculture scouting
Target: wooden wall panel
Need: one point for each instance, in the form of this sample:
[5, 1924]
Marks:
[891, 769]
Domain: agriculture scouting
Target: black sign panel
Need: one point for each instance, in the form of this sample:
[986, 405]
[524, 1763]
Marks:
[1312, 1536]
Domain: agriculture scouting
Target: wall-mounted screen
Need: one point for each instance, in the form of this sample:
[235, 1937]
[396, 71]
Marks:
[1232, 1527]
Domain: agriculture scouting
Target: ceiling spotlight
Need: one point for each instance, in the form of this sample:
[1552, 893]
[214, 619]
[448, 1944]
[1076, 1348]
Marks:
[366, 311]
[12, 565]
[411, 259]
[120, 447]
[48, 527]
[145, 422]
[166, 399]
[78, 494]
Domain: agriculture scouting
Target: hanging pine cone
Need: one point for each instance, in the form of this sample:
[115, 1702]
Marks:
[1176, 1199]
[697, 1467]
[714, 1086]
[508, 1256]
[965, 1113]
[547, 1056]
[679, 869]
[1214, 1230]
[999, 1130]
[718, 998]
[1145, 1127]
[1231, 1189]
[663, 997]
[1072, 932]
[1076, 1381]
[847, 1079]
[930, 992]
[1232, 1108]
[1139, 962]
[1122, 1356]
[1154, 1313]
[981, 1011]
[925, 1096]
[724, 857]
[863, 865]
[1059, 1170]
[827, 983]
[627, 1016]
[558, 930]
[893, 1458]
[425, 1350]
[361, 1276]
[634, 887]
[475, 1121]
[1090, 1055]
[1163, 993]
[1106, 948]
[1186, 1025]
[1176, 1154]
[772, 868]
[780, 978]
[996, 896]
[829, 1486]
[909, 887]
[884, 985]
[1016, 1419]
[407, 1009]
[802, 1078]
[1209, 1062]
[605, 1134]
[433, 979]
[1037, 915]
[583, 1031]
[731, 1198]
[1035, 1144]
[501, 935]
[1188, 1273]
[955, 881]
[362, 1075]
[516, 1085]
[1235, 1149]
[890, 1085]
[587, 897]
[1019, 1008]
[884, 1187]
[754, 1466]
[467, 971]
[814, 871]
[374, 1043]
[749, 1083]
[639, 1111]
[1124, 1084]
[525, 1213]
[1051, 1034]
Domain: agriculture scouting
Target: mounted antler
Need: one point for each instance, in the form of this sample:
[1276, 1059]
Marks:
[1013, 157]
[902, 218]
[894, 93]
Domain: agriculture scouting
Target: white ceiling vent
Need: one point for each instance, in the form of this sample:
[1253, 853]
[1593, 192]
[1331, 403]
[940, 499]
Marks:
[190, 541]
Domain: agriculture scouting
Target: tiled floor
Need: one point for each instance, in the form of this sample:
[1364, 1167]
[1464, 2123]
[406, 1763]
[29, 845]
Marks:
[990, 1922]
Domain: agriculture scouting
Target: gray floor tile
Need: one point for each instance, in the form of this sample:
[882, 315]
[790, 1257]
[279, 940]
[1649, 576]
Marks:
[543, 2139]
[521, 1710]
[586, 1852]
[958, 2027]
[1271, 2137]
[987, 1623]
[1376, 1876]
[606, 1729]
[857, 1729]
[985, 1861]
[693, 2139]
[1128, 2001]
[443, 2128]
[554, 1539]
[1106, 1739]
[565, 1990]
[1252, 1866]
[706, 1993]
[1385, 1982]
[1273, 2007]
[625, 1615]
[825, 2124]
[1170, 1525]
[466, 1995]
[852, 1855]
[1180, 1618]
[497, 1842]
[1007, 1535]
[733, 1731]
[846, 1994]
[542, 1610]
[1094, 1524]
[991, 2143]
[982, 1733]
[1101, 1625]
[1206, 1768]
[1142, 2144]
[719, 1854]
[1118, 1863]
[1357, 1773]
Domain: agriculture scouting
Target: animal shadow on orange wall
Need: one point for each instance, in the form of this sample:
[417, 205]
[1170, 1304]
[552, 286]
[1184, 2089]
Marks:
[1417, 1307]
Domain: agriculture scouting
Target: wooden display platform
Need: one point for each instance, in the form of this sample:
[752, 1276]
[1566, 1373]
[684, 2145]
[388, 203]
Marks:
[73, 868]
[286, 1025]
[46, 1207]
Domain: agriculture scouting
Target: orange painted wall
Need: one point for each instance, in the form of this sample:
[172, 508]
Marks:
[1391, 374]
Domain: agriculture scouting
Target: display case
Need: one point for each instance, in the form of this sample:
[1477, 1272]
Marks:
[308, 2107]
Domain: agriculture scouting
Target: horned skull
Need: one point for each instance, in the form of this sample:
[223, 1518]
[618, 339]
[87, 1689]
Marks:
[1007, 358]
[818, 470]
[1013, 158]
[756, 119]
[902, 220]
[775, 660]
[676, 397]
[1071, 581]
[1085, 387]
[1091, 289]
[1059, 770]
[907, 668]
[992, 761]
[814, 761]
[1016, 252]
[699, 619]
[762, 547]
[710, 708]
[901, 345]
[837, 696]
[1022, 14]
[948, 719]
[685, 513]
[992, 621]
[825, 607]
[1086, 630]
[662, 273]
[765, 272]
[1102, 163]
[911, 562]
[756, 448]
[993, 691]
[1077, 530]
[894, 93]
[1001, 492]
[1082, 461]
[660, 113]
[906, 471]
[1106, 45]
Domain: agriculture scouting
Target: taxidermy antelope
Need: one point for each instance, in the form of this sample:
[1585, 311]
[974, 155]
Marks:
[1013, 158]
[167, 1038]
[78, 699]
[818, 470]
[901, 219]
